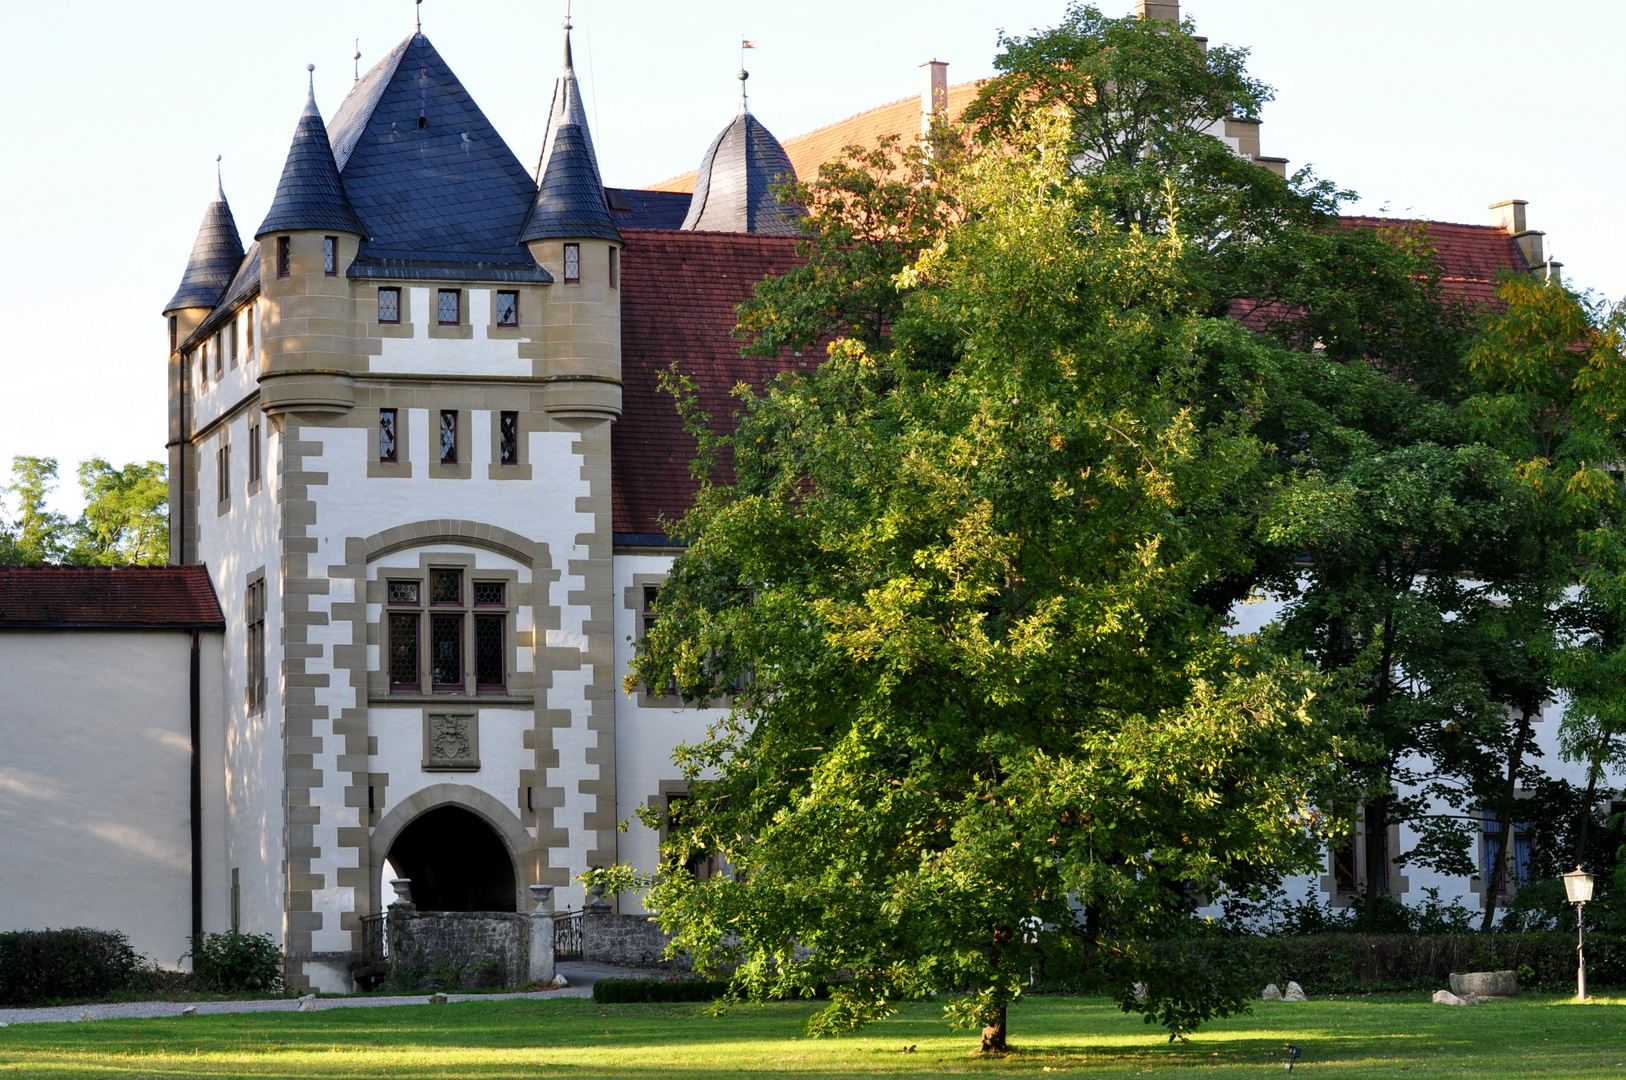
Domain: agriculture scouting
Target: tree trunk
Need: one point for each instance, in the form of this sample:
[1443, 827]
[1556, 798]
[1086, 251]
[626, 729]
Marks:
[993, 1035]
[1504, 831]
[1591, 793]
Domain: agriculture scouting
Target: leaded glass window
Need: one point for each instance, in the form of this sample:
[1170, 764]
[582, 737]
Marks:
[446, 650]
[508, 437]
[573, 264]
[386, 435]
[448, 436]
[285, 256]
[254, 691]
[445, 586]
[330, 255]
[508, 309]
[404, 649]
[389, 305]
[404, 592]
[449, 307]
[488, 594]
[489, 669]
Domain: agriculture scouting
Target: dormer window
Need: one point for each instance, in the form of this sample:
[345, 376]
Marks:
[389, 305]
[450, 307]
[573, 264]
[285, 257]
[508, 309]
[330, 255]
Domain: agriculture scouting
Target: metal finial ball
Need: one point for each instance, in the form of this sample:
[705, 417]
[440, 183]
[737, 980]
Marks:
[744, 75]
[217, 158]
[310, 67]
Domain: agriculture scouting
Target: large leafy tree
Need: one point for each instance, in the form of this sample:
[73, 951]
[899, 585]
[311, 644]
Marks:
[125, 520]
[980, 720]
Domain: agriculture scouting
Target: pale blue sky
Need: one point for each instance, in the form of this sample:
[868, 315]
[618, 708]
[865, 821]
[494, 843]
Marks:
[117, 110]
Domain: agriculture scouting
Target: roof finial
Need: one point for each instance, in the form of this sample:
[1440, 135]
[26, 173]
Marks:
[569, 61]
[356, 58]
[744, 44]
[220, 185]
[417, 16]
[310, 91]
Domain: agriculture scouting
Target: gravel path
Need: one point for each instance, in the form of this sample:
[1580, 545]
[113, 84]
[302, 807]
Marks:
[580, 976]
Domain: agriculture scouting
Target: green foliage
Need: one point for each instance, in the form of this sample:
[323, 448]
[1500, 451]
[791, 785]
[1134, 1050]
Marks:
[618, 878]
[237, 963]
[38, 967]
[627, 991]
[125, 521]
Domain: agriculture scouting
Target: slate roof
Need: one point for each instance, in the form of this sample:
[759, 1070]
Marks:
[734, 187]
[108, 597]
[570, 202]
[245, 286]
[437, 189]
[309, 195]
[631, 208]
[216, 255]
[678, 295]
[807, 152]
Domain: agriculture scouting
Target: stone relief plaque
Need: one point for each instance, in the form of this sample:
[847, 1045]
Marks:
[451, 741]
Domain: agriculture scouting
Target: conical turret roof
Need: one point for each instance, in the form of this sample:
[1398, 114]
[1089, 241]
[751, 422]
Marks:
[216, 255]
[570, 193]
[310, 194]
[734, 190]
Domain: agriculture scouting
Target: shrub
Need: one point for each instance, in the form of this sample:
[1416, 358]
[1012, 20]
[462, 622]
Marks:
[626, 991]
[38, 966]
[238, 963]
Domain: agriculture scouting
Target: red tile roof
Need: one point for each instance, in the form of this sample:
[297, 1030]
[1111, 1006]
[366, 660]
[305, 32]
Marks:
[108, 597]
[1471, 257]
[678, 295]
[807, 152]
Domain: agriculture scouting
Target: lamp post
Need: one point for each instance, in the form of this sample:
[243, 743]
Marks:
[1578, 887]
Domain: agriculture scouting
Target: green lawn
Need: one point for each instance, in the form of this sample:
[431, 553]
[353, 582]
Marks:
[1361, 1037]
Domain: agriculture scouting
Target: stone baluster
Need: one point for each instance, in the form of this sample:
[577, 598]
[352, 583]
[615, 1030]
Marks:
[542, 967]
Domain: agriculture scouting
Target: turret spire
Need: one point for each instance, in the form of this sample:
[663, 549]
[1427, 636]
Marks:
[216, 255]
[310, 194]
[566, 108]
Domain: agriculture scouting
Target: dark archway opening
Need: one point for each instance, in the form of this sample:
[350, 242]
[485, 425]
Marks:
[456, 862]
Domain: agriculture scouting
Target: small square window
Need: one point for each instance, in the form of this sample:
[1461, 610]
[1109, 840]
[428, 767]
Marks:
[508, 437]
[404, 592]
[508, 309]
[615, 267]
[330, 255]
[386, 435]
[488, 594]
[449, 307]
[448, 436]
[445, 586]
[285, 257]
[389, 305]
[573, 264]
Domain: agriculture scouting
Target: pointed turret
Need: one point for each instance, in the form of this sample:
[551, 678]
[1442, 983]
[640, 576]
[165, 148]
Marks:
[570, 192]
[216, 255]
[734, 188]
[310, 196]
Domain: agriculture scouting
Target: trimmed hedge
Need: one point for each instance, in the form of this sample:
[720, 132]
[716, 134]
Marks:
[39, 966]
[1362, 963]
[625, 991]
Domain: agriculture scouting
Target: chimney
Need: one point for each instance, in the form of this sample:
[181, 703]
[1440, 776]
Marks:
[1509, 215]
[1167, 10]
[933, 94]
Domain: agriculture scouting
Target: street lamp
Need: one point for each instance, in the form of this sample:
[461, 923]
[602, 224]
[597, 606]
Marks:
[1578, 887]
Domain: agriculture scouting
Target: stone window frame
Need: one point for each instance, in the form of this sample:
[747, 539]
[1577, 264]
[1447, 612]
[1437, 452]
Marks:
[615, 267]
[401, 465]
[520, 467]
[572, 260]
[285, 256]
[330, 255]
[249, 320]
[516, 595]
[256, 456]
[222, 474]
[400, 301]
[496, 308]
[217, 347]
[460, 468]
[441, 293]
[256, 606]
[1399, 883]
[1479, 883]
[661, 803]
[633, 598]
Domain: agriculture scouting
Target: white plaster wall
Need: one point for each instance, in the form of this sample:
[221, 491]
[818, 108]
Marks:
[237, 382]
[231, 546]
[423, 355]
[645, 738]
[95, 752]
[544, 509]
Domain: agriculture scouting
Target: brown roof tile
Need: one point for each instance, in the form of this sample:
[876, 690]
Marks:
[108, 597]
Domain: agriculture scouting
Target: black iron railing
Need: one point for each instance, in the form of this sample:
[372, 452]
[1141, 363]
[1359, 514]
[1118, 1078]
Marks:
[372, 939]
[567, 935]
